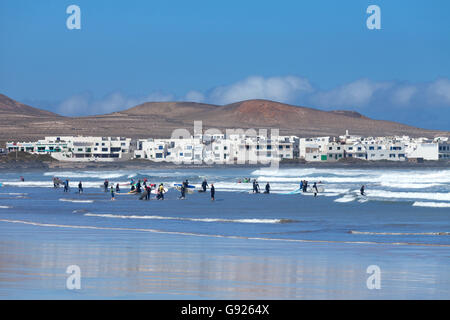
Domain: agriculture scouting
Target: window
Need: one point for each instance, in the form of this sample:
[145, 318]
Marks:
[371, 148]
[105, 149]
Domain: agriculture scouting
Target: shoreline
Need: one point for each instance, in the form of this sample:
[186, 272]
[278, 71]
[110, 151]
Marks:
[37, 164]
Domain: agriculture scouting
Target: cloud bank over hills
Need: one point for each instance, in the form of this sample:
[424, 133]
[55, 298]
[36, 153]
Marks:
[394, 100]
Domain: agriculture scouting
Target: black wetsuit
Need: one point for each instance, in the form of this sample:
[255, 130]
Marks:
[255, 187]
[315, 189]
[183, 191]
[106, 183]
[80, 188]
[213, 192]
[362, 191]
[267, 188]
[204, 185]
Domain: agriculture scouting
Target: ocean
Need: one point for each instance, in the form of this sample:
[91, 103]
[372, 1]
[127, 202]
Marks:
[282, 245]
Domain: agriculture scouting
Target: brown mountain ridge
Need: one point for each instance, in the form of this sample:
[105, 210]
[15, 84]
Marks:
[19, 122]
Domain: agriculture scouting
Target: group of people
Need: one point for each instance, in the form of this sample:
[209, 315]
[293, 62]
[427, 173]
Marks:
[256, 187]
[185, 185]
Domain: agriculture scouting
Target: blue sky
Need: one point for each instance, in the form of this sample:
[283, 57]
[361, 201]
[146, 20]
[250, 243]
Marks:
[313, 53]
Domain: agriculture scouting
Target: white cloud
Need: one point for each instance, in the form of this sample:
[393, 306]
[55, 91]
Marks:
[440, 91]
[282, 89]
[355, 94]
[404, 94]
[86, 104]
[194, 96]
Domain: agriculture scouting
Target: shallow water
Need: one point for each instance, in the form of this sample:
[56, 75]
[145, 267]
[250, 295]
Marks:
[242, 246]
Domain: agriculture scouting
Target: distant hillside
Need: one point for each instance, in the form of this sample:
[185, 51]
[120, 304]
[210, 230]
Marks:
[12, 107]
[159, 119]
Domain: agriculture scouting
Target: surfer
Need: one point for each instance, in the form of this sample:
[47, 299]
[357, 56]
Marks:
[305, 186]
[160, 195]
[301, 185]
[22, 179]
[362, 191]
[255, 186]
[80, 187]
[204, 185]
[149, 192]
[213, 192]
[267, 188]
[117, 188]
[315, 189]
[138, 186]
[105, 184]
[183, 191]
[66, 186]
[112, 192]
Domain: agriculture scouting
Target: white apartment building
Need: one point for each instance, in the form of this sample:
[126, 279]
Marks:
[77, 148]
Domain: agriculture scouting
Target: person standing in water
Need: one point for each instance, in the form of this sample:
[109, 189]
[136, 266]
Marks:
[160, 192]
[117, 188]
[183, 191]
[112, 192]
[149, 192]
[315, 189]
[255, 186]
[362, 191]
[66, 186]
[204, 185]
[105, 184]
[80, 187]
[213, 192]
[267, 188]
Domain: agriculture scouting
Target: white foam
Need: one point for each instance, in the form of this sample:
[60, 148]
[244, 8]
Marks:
[189, 219]
[409, 185]
[5, 207]
[86, 174]
[14, 194]
[440, 196]
[431, 204]
[76, 201]
[402, 233]
[345, 199]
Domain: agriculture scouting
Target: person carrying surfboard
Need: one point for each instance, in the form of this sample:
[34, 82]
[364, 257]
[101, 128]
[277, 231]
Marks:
[315, 189]
[160, 195]
[183, 191]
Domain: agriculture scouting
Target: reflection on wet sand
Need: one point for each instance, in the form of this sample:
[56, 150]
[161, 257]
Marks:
[147, 271]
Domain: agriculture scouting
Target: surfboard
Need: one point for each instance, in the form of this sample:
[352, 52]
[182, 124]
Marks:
[190, 191]
[296, 191]
[179, 185]
[155, 191]
[319, 189]
[1, 184]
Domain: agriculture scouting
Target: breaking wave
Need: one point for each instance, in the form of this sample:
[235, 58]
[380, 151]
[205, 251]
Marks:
[431, 204]
[191, 219]
[401, 233]
[76, 201]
